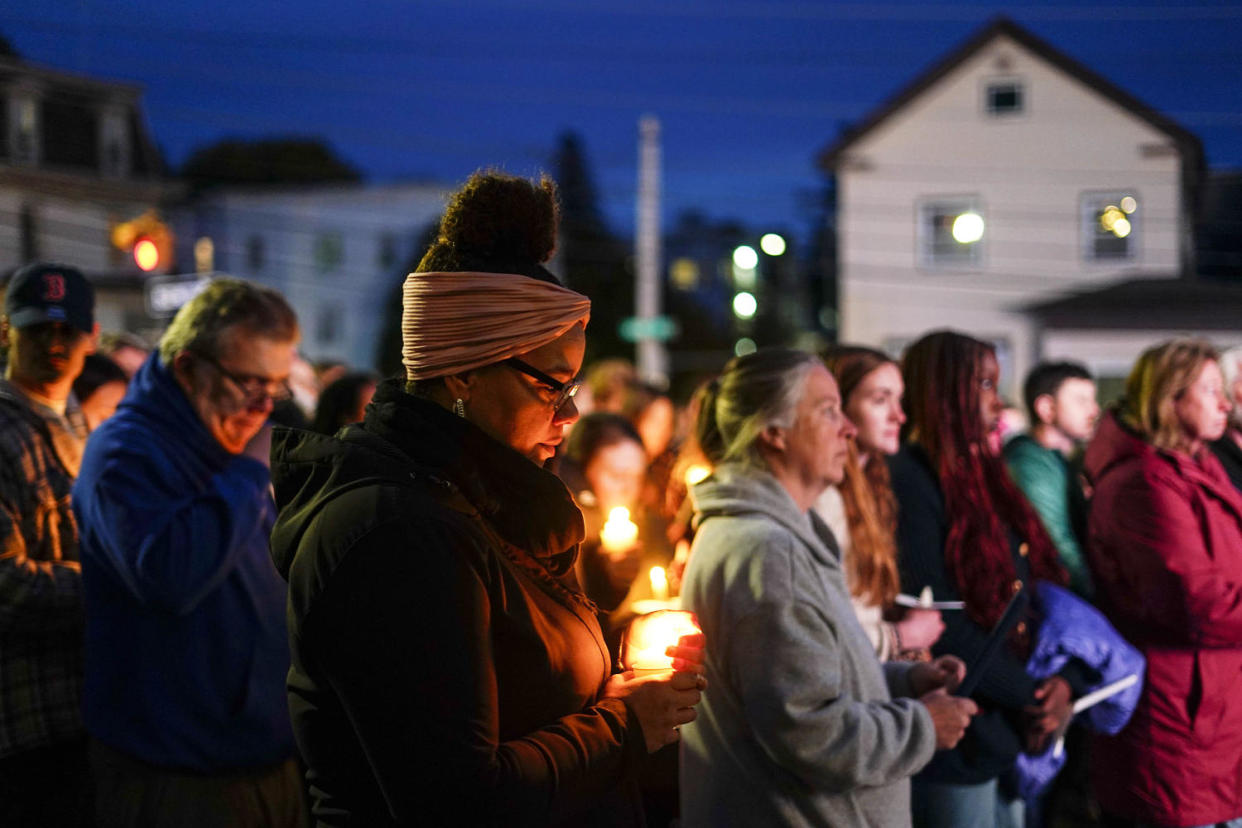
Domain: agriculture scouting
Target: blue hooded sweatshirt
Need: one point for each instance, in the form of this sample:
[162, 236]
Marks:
[186, 647]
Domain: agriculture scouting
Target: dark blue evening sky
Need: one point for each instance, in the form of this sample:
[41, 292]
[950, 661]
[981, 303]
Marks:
[748, 91]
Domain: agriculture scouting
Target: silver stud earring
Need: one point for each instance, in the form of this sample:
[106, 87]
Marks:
[459, 408]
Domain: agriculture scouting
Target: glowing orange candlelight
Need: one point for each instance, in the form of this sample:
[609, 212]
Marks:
[619, 532]
[697, 474]
[649, 636]
[659, 583]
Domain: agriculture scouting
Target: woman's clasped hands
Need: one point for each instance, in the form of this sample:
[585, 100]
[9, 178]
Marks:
[664, 701]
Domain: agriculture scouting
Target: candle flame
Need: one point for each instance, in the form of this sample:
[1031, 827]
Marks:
[659, 583]
[650, 635]
[619, 533]
[697, 474]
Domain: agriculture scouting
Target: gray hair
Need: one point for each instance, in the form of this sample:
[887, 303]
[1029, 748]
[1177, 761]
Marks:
[222, 304]
[1229, 367]
[754, 391]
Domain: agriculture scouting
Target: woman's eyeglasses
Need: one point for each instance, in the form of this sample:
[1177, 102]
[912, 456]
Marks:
[564, 390]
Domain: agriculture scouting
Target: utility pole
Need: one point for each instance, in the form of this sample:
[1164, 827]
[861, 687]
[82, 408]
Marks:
[652, 355]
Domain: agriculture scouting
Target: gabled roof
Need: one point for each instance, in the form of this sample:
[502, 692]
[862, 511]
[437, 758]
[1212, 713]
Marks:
[1144, 304]
[1002, 26]
[12, 68]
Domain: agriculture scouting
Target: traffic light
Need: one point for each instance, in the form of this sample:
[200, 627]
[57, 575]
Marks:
[147, 240]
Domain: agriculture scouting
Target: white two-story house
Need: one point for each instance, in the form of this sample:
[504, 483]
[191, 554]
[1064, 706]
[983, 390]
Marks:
[336, 251]
[1006, 176]
[76, 160]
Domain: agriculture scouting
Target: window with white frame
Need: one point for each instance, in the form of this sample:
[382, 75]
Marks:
[1004, 97]
[1109, 225]
[951, 231]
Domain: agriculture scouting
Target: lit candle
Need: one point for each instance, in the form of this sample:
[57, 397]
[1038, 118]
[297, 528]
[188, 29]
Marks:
[649, 636]
[659, 583]
[619, 532]
[697, 474]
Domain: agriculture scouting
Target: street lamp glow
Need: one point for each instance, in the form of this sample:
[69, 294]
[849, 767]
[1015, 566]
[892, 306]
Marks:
[745, 257]
[744, 305]
[744, 346]
[772, 244]
[968, 228]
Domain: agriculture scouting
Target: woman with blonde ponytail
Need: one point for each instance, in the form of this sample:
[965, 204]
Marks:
[802, 725]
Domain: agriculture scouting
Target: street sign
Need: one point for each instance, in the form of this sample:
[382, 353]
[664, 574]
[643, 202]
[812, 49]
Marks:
[166, 294]
[658, 328]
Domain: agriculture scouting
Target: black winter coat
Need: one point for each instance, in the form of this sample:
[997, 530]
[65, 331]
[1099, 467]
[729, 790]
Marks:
[446, 668]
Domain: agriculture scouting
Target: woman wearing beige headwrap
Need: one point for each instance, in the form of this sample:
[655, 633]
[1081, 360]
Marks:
[446, 667]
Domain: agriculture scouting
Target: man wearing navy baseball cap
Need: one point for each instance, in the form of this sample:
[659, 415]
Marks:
[46, 331]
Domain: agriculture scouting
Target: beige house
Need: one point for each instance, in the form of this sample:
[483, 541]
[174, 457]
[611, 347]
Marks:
[1006, 176]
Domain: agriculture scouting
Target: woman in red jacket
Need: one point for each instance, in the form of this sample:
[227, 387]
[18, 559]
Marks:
[1166, 548]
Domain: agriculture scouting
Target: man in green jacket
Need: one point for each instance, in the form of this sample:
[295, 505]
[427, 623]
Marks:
[1060, 400]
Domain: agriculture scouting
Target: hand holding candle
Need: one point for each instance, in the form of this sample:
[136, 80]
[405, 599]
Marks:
[651, 638]
[662, 653]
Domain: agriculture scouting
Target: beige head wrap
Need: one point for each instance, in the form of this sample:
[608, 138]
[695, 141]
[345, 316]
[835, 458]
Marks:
[454, 322]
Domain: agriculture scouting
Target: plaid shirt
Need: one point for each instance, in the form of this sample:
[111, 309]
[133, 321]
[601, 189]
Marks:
[41, 613]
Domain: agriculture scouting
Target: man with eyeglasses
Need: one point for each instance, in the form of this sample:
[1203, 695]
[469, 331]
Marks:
[47, 329]
[186, 645]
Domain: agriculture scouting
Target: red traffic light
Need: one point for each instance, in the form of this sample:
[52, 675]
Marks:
[146, 254]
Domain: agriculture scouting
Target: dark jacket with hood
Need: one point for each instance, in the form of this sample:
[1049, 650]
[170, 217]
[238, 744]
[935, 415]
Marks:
[446, 669]
[1166, 549]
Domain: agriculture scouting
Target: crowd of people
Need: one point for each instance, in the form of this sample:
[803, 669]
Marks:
[240, 589]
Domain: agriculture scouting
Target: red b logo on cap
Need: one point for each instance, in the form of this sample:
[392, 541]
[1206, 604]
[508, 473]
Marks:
[53, 287]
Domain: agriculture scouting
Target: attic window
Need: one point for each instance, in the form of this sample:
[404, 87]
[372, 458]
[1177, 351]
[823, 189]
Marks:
[1003, 98]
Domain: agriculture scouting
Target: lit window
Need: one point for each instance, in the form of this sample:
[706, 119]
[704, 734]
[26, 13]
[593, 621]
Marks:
[951, 231]
[1002, 98]
[1109, 225]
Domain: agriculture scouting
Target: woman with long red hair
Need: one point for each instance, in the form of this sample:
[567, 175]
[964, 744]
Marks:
[964, 530]
[862, 511]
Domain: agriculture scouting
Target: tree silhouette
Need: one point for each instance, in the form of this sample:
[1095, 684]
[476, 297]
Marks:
[267, 161]
[589, 258]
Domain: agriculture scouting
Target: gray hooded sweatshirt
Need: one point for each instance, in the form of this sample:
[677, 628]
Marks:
[799, 725]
